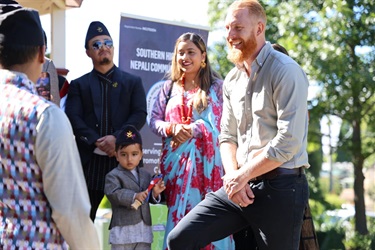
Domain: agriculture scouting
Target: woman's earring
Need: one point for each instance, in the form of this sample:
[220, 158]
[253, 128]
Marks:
[203, 64]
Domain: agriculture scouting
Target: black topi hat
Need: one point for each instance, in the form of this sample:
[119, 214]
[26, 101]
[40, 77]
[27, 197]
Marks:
[96, 28]
[19, 25]
[129, 135]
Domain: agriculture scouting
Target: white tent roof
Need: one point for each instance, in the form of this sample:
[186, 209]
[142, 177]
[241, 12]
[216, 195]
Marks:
[45, 6]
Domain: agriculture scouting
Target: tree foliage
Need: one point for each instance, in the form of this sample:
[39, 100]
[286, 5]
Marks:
[334, 41]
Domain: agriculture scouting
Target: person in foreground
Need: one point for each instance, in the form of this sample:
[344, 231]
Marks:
[262, 142]
[186, 114]
[99, 105]
[44, 201]
[130, 226]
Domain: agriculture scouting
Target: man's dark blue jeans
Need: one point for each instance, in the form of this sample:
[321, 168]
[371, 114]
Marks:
[276, 216]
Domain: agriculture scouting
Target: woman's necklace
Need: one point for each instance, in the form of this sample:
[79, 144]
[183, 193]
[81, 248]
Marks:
[186, 119]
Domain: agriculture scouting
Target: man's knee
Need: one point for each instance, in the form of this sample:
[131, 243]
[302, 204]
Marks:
[178, 240]
[173, 241]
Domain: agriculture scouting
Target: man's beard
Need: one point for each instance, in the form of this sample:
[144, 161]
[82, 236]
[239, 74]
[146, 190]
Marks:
[105, 61]
[238, 56]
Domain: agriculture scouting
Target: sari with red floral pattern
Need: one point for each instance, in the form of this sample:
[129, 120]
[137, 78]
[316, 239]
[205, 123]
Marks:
[194, 168]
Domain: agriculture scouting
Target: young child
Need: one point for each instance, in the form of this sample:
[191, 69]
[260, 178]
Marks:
[130, 227]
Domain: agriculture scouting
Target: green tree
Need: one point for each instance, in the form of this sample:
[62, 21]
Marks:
[333, 40]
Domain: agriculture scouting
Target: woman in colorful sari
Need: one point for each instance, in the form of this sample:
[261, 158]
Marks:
[186, 114]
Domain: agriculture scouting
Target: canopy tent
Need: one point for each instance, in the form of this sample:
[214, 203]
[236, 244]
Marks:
[47, 6]
[56, 9]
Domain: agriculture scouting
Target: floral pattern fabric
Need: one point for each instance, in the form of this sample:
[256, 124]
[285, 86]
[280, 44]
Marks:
[194, 168]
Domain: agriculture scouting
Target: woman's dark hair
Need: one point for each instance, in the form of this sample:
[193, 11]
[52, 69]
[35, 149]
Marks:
[280, 48]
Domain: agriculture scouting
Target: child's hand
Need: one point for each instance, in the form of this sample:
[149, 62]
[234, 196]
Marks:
[142, 196]
[158, 188]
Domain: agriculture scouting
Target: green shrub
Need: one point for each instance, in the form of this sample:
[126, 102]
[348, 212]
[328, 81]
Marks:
[331, 239]
[356, 241]
[334, 200]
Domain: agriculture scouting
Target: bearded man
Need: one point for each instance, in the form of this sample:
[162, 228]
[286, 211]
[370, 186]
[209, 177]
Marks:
[99, 105]
[263, 144]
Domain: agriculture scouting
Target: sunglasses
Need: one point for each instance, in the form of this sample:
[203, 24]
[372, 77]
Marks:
[99, 44]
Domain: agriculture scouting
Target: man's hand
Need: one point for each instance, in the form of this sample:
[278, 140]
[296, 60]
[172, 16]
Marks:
[107, 144]
[244, 197]
[234, 181]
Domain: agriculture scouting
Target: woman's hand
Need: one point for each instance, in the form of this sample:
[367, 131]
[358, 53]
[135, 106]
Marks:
[181, 134]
